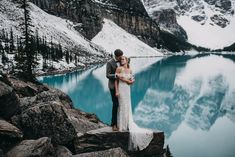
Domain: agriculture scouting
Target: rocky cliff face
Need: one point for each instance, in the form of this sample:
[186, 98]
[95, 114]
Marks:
[130, 15]
[167, 21]
[216, 12]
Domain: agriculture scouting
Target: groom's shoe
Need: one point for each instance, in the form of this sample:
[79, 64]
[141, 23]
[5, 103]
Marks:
[114, 128]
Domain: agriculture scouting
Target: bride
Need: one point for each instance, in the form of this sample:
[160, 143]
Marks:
[139, 138]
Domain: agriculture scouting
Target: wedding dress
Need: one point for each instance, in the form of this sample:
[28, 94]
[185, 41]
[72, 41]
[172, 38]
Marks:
[139, 138]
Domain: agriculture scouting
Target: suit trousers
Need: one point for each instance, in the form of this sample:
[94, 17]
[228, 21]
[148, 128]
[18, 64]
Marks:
[115, 107]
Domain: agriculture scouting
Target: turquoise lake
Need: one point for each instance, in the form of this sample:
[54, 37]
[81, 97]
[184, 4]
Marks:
[190, 98]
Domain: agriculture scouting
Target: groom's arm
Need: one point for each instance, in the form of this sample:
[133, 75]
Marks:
[109, 74]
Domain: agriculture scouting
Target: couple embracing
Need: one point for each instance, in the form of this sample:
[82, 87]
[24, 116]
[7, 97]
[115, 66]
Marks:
[120, 78]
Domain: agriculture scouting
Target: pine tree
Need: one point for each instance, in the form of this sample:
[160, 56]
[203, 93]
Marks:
[1, 50]
[52, 50]
[60, 51]
[26, 60]
[7, 47]
[76, 59]
[37, 43]
[71, 57]
[3, 35]
[12, 46]
[67, 56]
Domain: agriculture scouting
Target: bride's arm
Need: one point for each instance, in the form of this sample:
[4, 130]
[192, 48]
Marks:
[116, 87]
[117, 82]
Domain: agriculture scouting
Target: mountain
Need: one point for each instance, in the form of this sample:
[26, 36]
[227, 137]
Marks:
[208, 23]
[68, 31]
[130, 15]
[52, 28]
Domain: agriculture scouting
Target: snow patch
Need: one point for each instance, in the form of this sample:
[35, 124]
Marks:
[112, 37]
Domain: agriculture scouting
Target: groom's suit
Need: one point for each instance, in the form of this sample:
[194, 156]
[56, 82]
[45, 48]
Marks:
[110, 74]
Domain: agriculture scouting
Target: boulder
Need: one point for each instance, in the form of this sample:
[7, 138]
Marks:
[55, 95]
[84, 122]
[23, 89]
[105, 138]
[46, 119]
[9, 102]
[117, 152]
[1, 153]
[52, 119]
[41, 148]
[9, 135]
[44, 97]
[62, 151]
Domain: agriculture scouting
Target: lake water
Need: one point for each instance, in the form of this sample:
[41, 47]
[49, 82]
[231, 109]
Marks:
[190, 98]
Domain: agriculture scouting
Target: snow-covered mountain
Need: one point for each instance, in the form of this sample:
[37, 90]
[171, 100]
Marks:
[59, 29]
[208, 23]
[63, 31]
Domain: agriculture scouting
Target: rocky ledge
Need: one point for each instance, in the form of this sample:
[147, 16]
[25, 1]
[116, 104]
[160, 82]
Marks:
[36, 120]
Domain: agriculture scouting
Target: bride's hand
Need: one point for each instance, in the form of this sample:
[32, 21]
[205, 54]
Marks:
[133, 80]
[130, 82]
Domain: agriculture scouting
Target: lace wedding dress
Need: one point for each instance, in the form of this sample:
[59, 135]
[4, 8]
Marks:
[139, 138]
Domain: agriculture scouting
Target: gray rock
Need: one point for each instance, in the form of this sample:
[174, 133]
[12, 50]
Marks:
[83, 122]
[166, 19]
[62, 151]
[9, 135]
[48, 119]
[9, 102]
[1, 153]
[41, 148]
[117, 152]
[53, 120]
[23, 89]
[55, 95]
[105, 138]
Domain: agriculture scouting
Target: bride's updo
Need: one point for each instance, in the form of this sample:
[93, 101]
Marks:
[127, 61]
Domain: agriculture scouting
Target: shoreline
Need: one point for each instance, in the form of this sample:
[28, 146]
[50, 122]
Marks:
[69, 70]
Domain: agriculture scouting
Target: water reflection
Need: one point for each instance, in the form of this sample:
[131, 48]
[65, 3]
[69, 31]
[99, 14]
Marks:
[189, 98]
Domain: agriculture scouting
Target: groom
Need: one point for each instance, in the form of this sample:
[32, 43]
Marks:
[110, 74]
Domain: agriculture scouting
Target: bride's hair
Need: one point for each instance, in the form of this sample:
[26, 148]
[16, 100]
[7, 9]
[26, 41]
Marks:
[128, 61]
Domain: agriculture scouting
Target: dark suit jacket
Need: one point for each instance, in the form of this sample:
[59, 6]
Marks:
[110, 72]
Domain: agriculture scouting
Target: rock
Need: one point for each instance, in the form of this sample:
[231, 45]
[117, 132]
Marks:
[27, 102]
[9, 102]
[166, 19]
[46, 119]
[55, 95]
[198, 18]
[62, 151]
[105, 138]
[41, 148]
[220, 20]
[84, 122]
[1, 153]
[44, 97]
[9, 135]
[53, 120]
[23, 89]
[117, 152]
